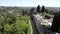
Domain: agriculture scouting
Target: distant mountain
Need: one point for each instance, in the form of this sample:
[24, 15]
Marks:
[54, 8]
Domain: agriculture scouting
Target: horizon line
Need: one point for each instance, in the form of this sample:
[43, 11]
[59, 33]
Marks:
[30, 6]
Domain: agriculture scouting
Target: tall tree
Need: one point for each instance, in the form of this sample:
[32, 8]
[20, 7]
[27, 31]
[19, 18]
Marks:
[56, 23]
[23, 12]
[38, 8]
[43, 9]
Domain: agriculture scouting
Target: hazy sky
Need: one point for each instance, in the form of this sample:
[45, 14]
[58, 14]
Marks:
[29, 3]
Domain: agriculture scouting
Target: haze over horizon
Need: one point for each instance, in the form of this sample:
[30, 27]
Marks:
[30, 3]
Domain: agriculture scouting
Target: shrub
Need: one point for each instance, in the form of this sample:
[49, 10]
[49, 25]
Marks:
[47, 16]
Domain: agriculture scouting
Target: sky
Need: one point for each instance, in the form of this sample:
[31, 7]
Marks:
[30, 3]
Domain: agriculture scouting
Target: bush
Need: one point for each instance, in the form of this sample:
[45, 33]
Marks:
[15, 25]
[13, 22]
[47, 16]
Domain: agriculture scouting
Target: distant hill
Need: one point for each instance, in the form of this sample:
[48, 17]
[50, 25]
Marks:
[21, 8]
[49, 8]
[54, 8]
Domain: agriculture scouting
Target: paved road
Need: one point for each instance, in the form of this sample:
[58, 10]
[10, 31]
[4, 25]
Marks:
[35, 31]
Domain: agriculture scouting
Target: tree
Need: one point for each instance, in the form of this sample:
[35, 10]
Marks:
[26, 12]
[56, 23]
[43, 9]
[32, 10]
[14, 23]
[38, 8]
[46, 10]
[23, 12]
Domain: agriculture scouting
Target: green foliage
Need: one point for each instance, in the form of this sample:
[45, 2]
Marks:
[33, 11]
[46, 10]
[47, 16]
[49, 12]
[12, 22]
[38, 8]
[25, 12]
[43, 9]
[21, 26]
[57, 13]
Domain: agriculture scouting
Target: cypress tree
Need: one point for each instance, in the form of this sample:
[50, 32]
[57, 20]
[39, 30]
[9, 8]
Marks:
[38, 8]
[43, 9]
